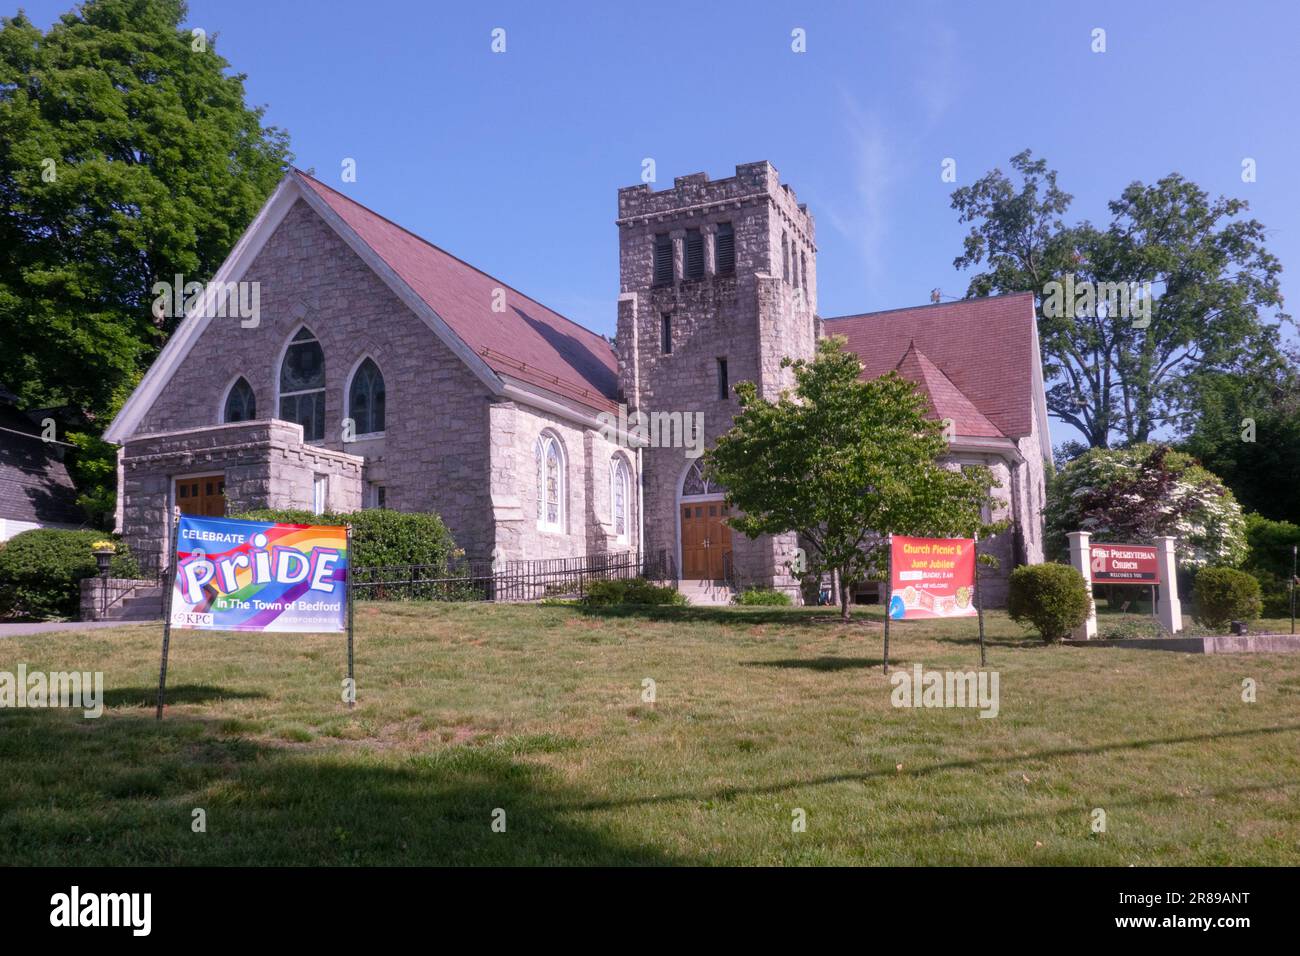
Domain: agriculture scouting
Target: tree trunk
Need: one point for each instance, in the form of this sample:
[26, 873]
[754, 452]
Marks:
[844, 600]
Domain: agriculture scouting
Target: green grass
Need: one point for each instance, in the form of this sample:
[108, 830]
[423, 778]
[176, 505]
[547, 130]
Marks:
[537, 710]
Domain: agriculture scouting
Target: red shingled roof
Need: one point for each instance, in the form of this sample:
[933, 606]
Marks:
[983, 348]
[946, 399]
[527, 341]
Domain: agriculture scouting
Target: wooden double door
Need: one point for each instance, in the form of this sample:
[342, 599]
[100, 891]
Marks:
[205, 495]
[706, 540]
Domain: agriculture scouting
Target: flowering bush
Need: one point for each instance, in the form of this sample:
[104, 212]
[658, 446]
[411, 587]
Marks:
[1135, 494]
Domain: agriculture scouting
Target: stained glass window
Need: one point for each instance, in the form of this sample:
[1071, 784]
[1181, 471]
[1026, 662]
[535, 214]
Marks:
[696, 484]
[241, 404]
[366, 399]
[618, 492]
[302, 385]
[549, 462]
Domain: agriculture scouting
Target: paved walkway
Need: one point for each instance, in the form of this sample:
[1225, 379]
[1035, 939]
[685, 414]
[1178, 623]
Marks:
[13, 630]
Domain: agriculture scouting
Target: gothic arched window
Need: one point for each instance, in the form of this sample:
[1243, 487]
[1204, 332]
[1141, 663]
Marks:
[549, 460]
[620, 487]
[366, 399]
[696, 484]
[241, 403]
[302, 385]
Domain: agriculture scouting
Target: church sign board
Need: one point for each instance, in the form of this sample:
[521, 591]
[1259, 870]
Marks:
[932, 577]
[1124, 564]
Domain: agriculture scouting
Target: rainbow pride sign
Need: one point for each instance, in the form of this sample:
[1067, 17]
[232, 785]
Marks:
[236, 575]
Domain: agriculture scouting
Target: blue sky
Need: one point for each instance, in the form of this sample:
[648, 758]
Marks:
[512, 160]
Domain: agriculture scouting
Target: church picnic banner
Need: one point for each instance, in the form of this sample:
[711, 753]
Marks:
[234, 575]
[932, 577]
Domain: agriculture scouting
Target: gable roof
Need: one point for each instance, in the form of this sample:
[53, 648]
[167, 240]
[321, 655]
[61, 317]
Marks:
[34, 483]
[987, 350]
[526, 341]
[527, 352]
[946, 399]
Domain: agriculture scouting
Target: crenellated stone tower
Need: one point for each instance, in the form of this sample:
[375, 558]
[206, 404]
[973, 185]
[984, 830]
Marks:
[718, 283]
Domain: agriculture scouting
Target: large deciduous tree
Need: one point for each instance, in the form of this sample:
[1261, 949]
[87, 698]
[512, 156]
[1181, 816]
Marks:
[842, 461]
[127, 156]
[1246, 429]
[1119, 374]
[1135, 494]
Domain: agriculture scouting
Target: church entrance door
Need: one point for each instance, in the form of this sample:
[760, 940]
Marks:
[706, 540]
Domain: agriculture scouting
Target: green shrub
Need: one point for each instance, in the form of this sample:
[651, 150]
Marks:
[1269, 561]
[630, 591]
[41, 571]
[1224, 595]
[762, 597]
[1053, 598]
[380, 537]
[1128, 626]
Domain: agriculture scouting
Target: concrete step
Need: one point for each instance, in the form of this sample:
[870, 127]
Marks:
[706, 593]
[143, 604]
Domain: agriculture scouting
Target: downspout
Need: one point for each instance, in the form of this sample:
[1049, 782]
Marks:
[640, 505]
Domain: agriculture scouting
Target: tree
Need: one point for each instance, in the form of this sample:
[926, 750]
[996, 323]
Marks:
[127, 156]
[1177, 283]
[1136, 494]
[1246, 429]
[841, 462]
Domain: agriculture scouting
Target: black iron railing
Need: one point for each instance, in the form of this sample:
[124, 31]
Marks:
[482, 580]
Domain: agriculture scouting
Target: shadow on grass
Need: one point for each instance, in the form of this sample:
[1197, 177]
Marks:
[122, 790]
[727, 616]
[731, 792]
[178, 694]
[825, 663]
[990, 640]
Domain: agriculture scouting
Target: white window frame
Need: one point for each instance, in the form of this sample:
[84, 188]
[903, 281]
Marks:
[620, 474]
[347, 394]
[320, 493]
[279, 372]
[541, 447]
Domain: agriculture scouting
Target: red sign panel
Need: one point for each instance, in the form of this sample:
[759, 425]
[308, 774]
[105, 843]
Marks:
[932, 577]
[1125, 564]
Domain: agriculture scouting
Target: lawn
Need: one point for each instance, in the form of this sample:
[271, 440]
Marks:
[537, 711]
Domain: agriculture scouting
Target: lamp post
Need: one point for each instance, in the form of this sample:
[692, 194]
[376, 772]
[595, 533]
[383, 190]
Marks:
[103, 561]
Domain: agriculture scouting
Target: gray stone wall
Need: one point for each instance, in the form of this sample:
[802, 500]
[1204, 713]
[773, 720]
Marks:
[753, 318]
[588, 525]
[264, 464]
[433, 455]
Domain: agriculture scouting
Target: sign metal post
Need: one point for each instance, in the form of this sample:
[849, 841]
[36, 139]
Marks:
[979, 599]
[889, 582]
[167, 607]
[352, 683]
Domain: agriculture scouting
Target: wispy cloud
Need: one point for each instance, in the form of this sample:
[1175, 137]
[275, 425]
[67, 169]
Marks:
[936, 79]
[865, 220]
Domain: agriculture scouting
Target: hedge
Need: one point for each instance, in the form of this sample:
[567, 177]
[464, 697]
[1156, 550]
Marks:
[381, 538]
[762, 597]
[41, 571]
[630, 591]
[1224, 595]
[1269, 561]
[1051, 597]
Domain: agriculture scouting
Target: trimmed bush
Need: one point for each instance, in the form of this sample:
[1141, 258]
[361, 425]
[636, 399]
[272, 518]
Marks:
[1224, 595]
[381, 537]
[41, 571]
[1269, 561]
[762, 597]
[630, 591]
[1053, 598]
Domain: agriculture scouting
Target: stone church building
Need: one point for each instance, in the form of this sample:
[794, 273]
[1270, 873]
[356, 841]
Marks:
[381, 371]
